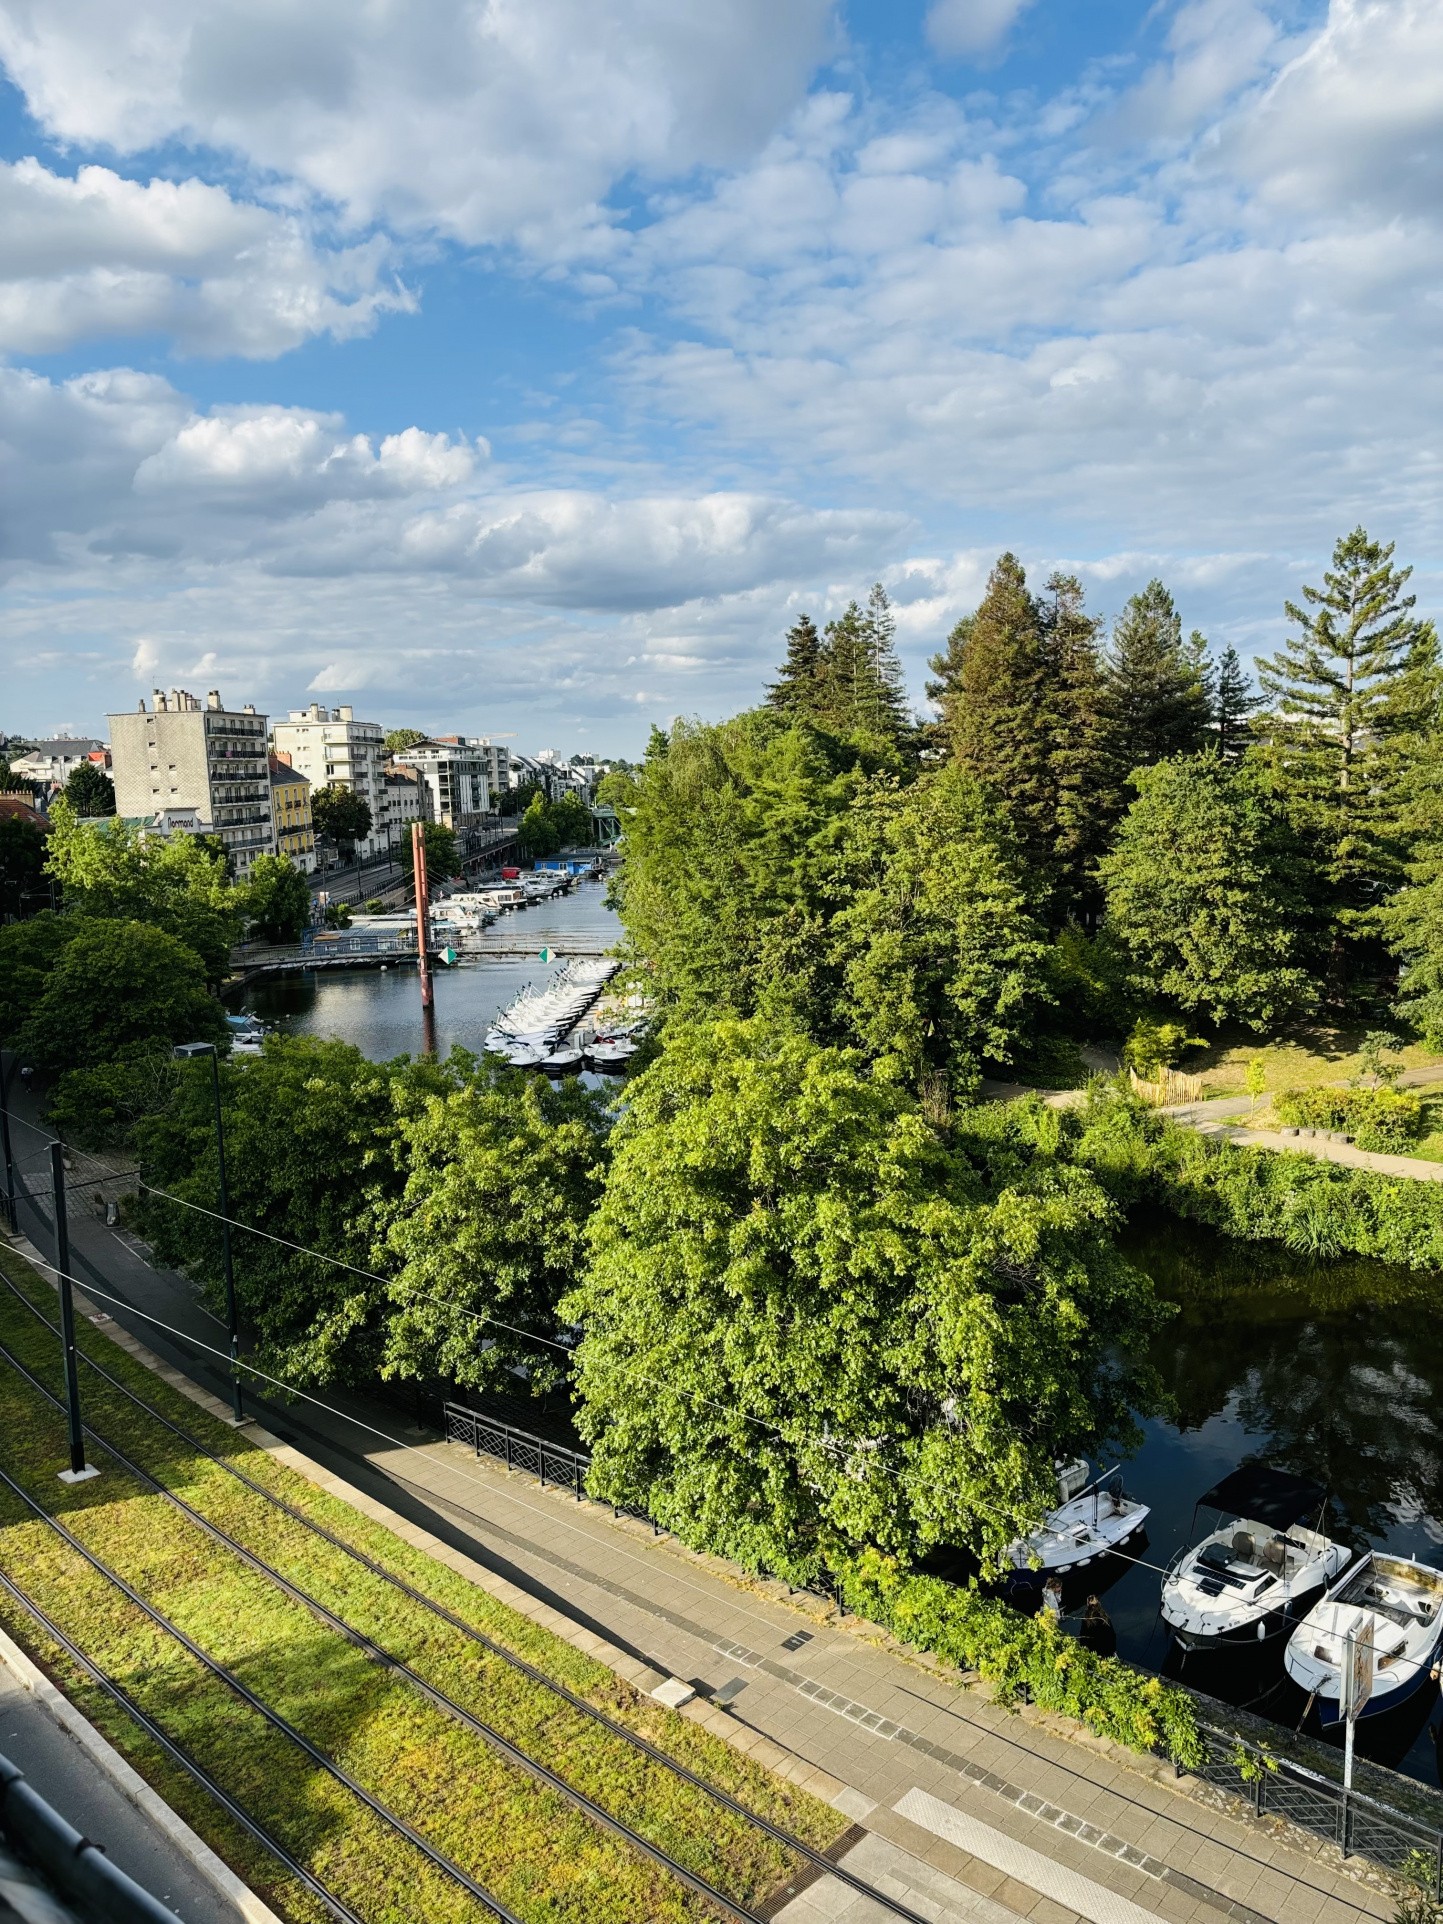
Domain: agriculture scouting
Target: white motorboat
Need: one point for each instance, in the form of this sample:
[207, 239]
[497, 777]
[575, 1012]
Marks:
[1260, 1570]
[1396, 1599]
[610, 1054]
[565, 1061]
[1091, 1520]
[539, 1020]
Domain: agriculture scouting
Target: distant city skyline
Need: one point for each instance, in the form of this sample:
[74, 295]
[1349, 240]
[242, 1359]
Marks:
[534, 379]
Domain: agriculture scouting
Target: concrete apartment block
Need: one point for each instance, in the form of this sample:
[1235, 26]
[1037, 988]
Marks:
[187, 756]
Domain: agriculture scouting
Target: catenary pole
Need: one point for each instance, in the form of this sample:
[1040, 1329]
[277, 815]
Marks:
[79, 1469]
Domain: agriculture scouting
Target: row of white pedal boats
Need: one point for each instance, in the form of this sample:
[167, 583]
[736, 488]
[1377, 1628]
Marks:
[1265, 1573]
[538, 1031]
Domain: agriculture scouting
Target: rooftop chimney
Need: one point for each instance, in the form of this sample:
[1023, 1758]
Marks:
[345, 713]
[212, 700]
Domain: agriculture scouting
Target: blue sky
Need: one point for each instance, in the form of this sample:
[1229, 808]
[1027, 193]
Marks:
[528, 369]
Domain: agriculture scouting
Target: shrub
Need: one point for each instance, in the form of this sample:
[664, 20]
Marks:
[375, 906]
[1026, 1655]
[1155, 1045]
[1386, 1121]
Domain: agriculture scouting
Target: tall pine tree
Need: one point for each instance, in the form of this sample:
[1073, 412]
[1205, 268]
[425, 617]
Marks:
[1234, 703]
[1355, 694]
[863, 691]
[1087, 802]
[797, 690]
[994, 685]
[1158, 702]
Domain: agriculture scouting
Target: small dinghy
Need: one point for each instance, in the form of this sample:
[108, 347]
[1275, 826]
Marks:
[1090, 1521]
[1254, 1576]
[1396, 1599]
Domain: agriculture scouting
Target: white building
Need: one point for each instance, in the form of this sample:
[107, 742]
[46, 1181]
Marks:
[407, 800]
[498, 765]
[330, 747]
[456, 774]
[187, 762]
[50, 764]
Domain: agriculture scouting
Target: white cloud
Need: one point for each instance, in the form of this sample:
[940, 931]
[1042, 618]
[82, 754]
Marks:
[484, 120]
[96, 254]
[971, 26]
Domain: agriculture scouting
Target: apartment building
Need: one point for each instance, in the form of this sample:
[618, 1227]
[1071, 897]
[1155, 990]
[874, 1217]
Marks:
[50, 764]
[329, 746]
[456, 776]
[184, 758]
[407, 801]
[291, 813]
[498, 765]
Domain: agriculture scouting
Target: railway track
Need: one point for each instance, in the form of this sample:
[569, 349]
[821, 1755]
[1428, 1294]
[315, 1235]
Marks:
[801, 1850]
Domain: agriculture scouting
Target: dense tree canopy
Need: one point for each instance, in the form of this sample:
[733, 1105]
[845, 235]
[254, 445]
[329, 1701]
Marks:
[115, 984]
[443, 852]
[24, 886]
[398, 740]
[176, 883]
[278, 899]
[500, 1173]
[809, 1326]
[1201, 892]
[1158, 694]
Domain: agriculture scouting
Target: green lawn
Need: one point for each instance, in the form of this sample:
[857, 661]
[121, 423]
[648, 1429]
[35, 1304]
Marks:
[1303, 1061]
[518, 1838]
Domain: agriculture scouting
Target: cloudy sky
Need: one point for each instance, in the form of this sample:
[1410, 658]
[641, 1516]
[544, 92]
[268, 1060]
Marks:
[529, 364]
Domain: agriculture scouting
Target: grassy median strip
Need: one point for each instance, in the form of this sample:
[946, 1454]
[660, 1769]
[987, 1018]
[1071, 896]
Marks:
[519, 1839]
[673, 1815]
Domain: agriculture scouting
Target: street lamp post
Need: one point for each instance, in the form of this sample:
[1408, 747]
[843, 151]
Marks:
[187, 1051]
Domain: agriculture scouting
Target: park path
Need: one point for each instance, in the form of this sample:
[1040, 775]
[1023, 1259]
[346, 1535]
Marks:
[963, 1809]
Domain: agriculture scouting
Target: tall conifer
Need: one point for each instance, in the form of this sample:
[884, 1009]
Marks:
[1233, 704]
[995, 689]
[861, 675]
[1087, 800]
[797, 689]
[1355, 694]
[1157, 687]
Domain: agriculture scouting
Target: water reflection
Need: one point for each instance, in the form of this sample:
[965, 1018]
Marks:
[1329, 1370]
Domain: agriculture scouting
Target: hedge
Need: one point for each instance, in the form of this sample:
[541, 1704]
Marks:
[1315, 1207]
[1385, 1121]
[1026, 1656]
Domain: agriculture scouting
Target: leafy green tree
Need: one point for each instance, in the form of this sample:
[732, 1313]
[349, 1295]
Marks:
[1355, 703]
[278, 899]
[808, 1328]
[1234, 705]
[398, 740]
[120, 872]
[115, 984]
[1200, 891]
[617, 790]
[341, 815]
[797, 690]
[537, 830]
[1158, 698]
[516, 801]
[501, 1174]
[943, 964]
[23, 884]
[89, 790]
[443, 852]
[571, 822]
[311, 1129]
[732, 848]
[28, 952]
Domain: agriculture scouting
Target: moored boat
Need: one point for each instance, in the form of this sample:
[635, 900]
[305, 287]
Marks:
[1260, 1570]
[1092, 1520]
[1397, 1600]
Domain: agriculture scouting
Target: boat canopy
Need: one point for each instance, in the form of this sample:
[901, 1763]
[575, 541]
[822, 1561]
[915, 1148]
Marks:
[1265, 1495]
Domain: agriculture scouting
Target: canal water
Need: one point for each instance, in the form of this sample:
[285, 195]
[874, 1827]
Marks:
[1331, 1370]
[380, 1011]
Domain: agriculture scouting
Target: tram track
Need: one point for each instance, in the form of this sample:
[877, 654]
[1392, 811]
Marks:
[378, 1654]
[807, 1854]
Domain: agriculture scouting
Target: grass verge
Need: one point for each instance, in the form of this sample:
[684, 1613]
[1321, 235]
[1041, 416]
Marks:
[677, 1817]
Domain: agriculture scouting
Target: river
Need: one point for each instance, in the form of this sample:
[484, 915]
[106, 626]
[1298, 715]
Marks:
[380, 1010]
[1332, 1370]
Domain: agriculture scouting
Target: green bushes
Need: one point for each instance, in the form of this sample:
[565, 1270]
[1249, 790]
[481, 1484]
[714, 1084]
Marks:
[1026, 1654]
[1386, 1121]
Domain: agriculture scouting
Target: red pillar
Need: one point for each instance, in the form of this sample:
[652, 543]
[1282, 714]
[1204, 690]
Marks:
[423, 910]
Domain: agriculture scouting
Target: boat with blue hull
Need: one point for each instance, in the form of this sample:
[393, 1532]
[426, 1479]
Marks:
[1398, 1602]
